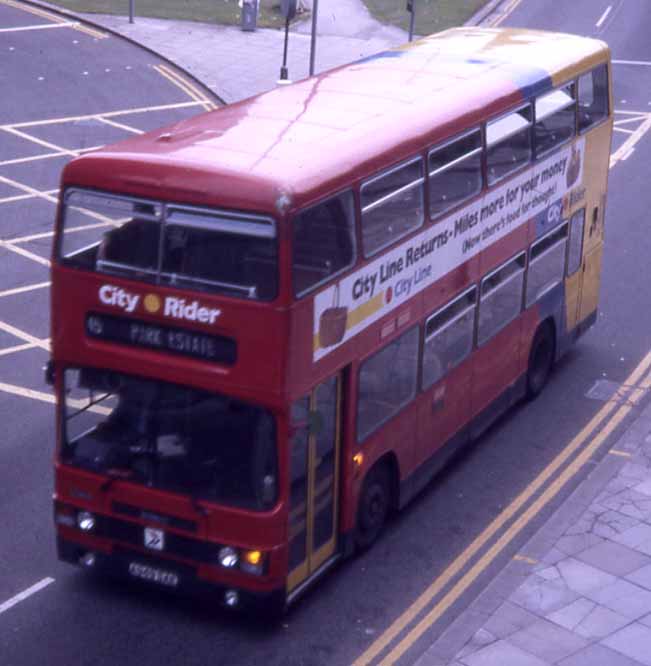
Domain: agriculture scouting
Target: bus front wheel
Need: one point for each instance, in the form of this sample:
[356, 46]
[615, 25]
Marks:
[541, 359]
[374, 504]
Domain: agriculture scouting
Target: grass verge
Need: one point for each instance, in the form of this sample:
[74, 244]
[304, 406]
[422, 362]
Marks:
[226, 12]
[430, 15]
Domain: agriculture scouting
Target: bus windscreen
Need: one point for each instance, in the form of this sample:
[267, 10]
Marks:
[170, 437]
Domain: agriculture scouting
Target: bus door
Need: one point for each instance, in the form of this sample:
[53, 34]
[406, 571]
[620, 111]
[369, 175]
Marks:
[591, 272]
[315, 436]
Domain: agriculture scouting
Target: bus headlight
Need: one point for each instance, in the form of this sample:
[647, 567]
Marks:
[85, 521]
[228, 557]
[252, 562]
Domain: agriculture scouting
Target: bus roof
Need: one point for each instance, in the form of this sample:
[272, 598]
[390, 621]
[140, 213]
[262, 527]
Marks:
[285, 148]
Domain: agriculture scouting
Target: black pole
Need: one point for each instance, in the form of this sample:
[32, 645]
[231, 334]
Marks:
[412, 10]
[283, 70]
[315, 11]
[131, 10]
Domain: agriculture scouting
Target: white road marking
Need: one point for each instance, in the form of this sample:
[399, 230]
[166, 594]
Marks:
[26, 253]
[22, 290]
[644, 63]
[604, 16]
[21, 596]
[17, 348]
[40, 142]
[26, 337]
[41, 396]
[96, 116]
[122, 126]
[47, 26]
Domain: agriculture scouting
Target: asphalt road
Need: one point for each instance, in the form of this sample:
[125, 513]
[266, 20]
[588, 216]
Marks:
[77, 620]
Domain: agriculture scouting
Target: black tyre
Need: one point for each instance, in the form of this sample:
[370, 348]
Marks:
[541, 359]
[374, 505]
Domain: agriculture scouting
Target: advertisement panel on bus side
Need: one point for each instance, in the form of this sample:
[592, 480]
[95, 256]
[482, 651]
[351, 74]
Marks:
[347, 307]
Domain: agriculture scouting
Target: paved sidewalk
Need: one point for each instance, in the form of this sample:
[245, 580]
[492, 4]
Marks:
[235, 64]
[584, 597]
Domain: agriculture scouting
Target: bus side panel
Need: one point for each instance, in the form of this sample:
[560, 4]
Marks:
[444, 410]
[495, 367]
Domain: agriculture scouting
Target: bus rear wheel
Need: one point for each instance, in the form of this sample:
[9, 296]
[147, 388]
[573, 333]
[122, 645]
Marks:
[373, 508]
[541, 359]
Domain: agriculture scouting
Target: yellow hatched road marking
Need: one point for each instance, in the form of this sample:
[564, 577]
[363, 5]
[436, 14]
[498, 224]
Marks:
[409, 616]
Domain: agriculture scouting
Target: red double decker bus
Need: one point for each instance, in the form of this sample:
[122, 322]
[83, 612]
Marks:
[272, 323]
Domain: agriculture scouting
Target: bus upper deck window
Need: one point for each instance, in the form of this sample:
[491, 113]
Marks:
[393, 204]
[323, 242]
[454, 172]
[593, 97]
[555, 119]
[509, 143]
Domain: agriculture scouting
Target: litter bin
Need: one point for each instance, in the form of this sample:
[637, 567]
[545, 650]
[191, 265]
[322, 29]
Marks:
[249, 15]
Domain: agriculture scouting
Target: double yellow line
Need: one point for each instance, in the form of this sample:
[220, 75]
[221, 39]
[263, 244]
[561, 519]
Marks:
[186, 86]
[416, 620]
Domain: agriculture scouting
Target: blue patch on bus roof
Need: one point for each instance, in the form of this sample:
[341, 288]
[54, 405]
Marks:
[380, 56]
[532, 81]
[529, 79]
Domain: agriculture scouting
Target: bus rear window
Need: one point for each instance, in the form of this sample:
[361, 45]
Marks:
[198, 249]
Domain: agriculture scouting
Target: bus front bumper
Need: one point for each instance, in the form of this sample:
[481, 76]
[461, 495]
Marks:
[170, 576]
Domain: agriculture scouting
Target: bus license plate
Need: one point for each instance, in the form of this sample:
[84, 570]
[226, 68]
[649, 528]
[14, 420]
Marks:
[153, 574]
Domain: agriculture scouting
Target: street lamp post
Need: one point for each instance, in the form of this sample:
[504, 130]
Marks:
[315, 11]
[411, 8]
[288, 10]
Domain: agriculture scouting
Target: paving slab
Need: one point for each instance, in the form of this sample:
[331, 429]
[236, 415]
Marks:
[614, 558]
[634, 641]
[548, 641]
[502, 653]
[598, 655]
